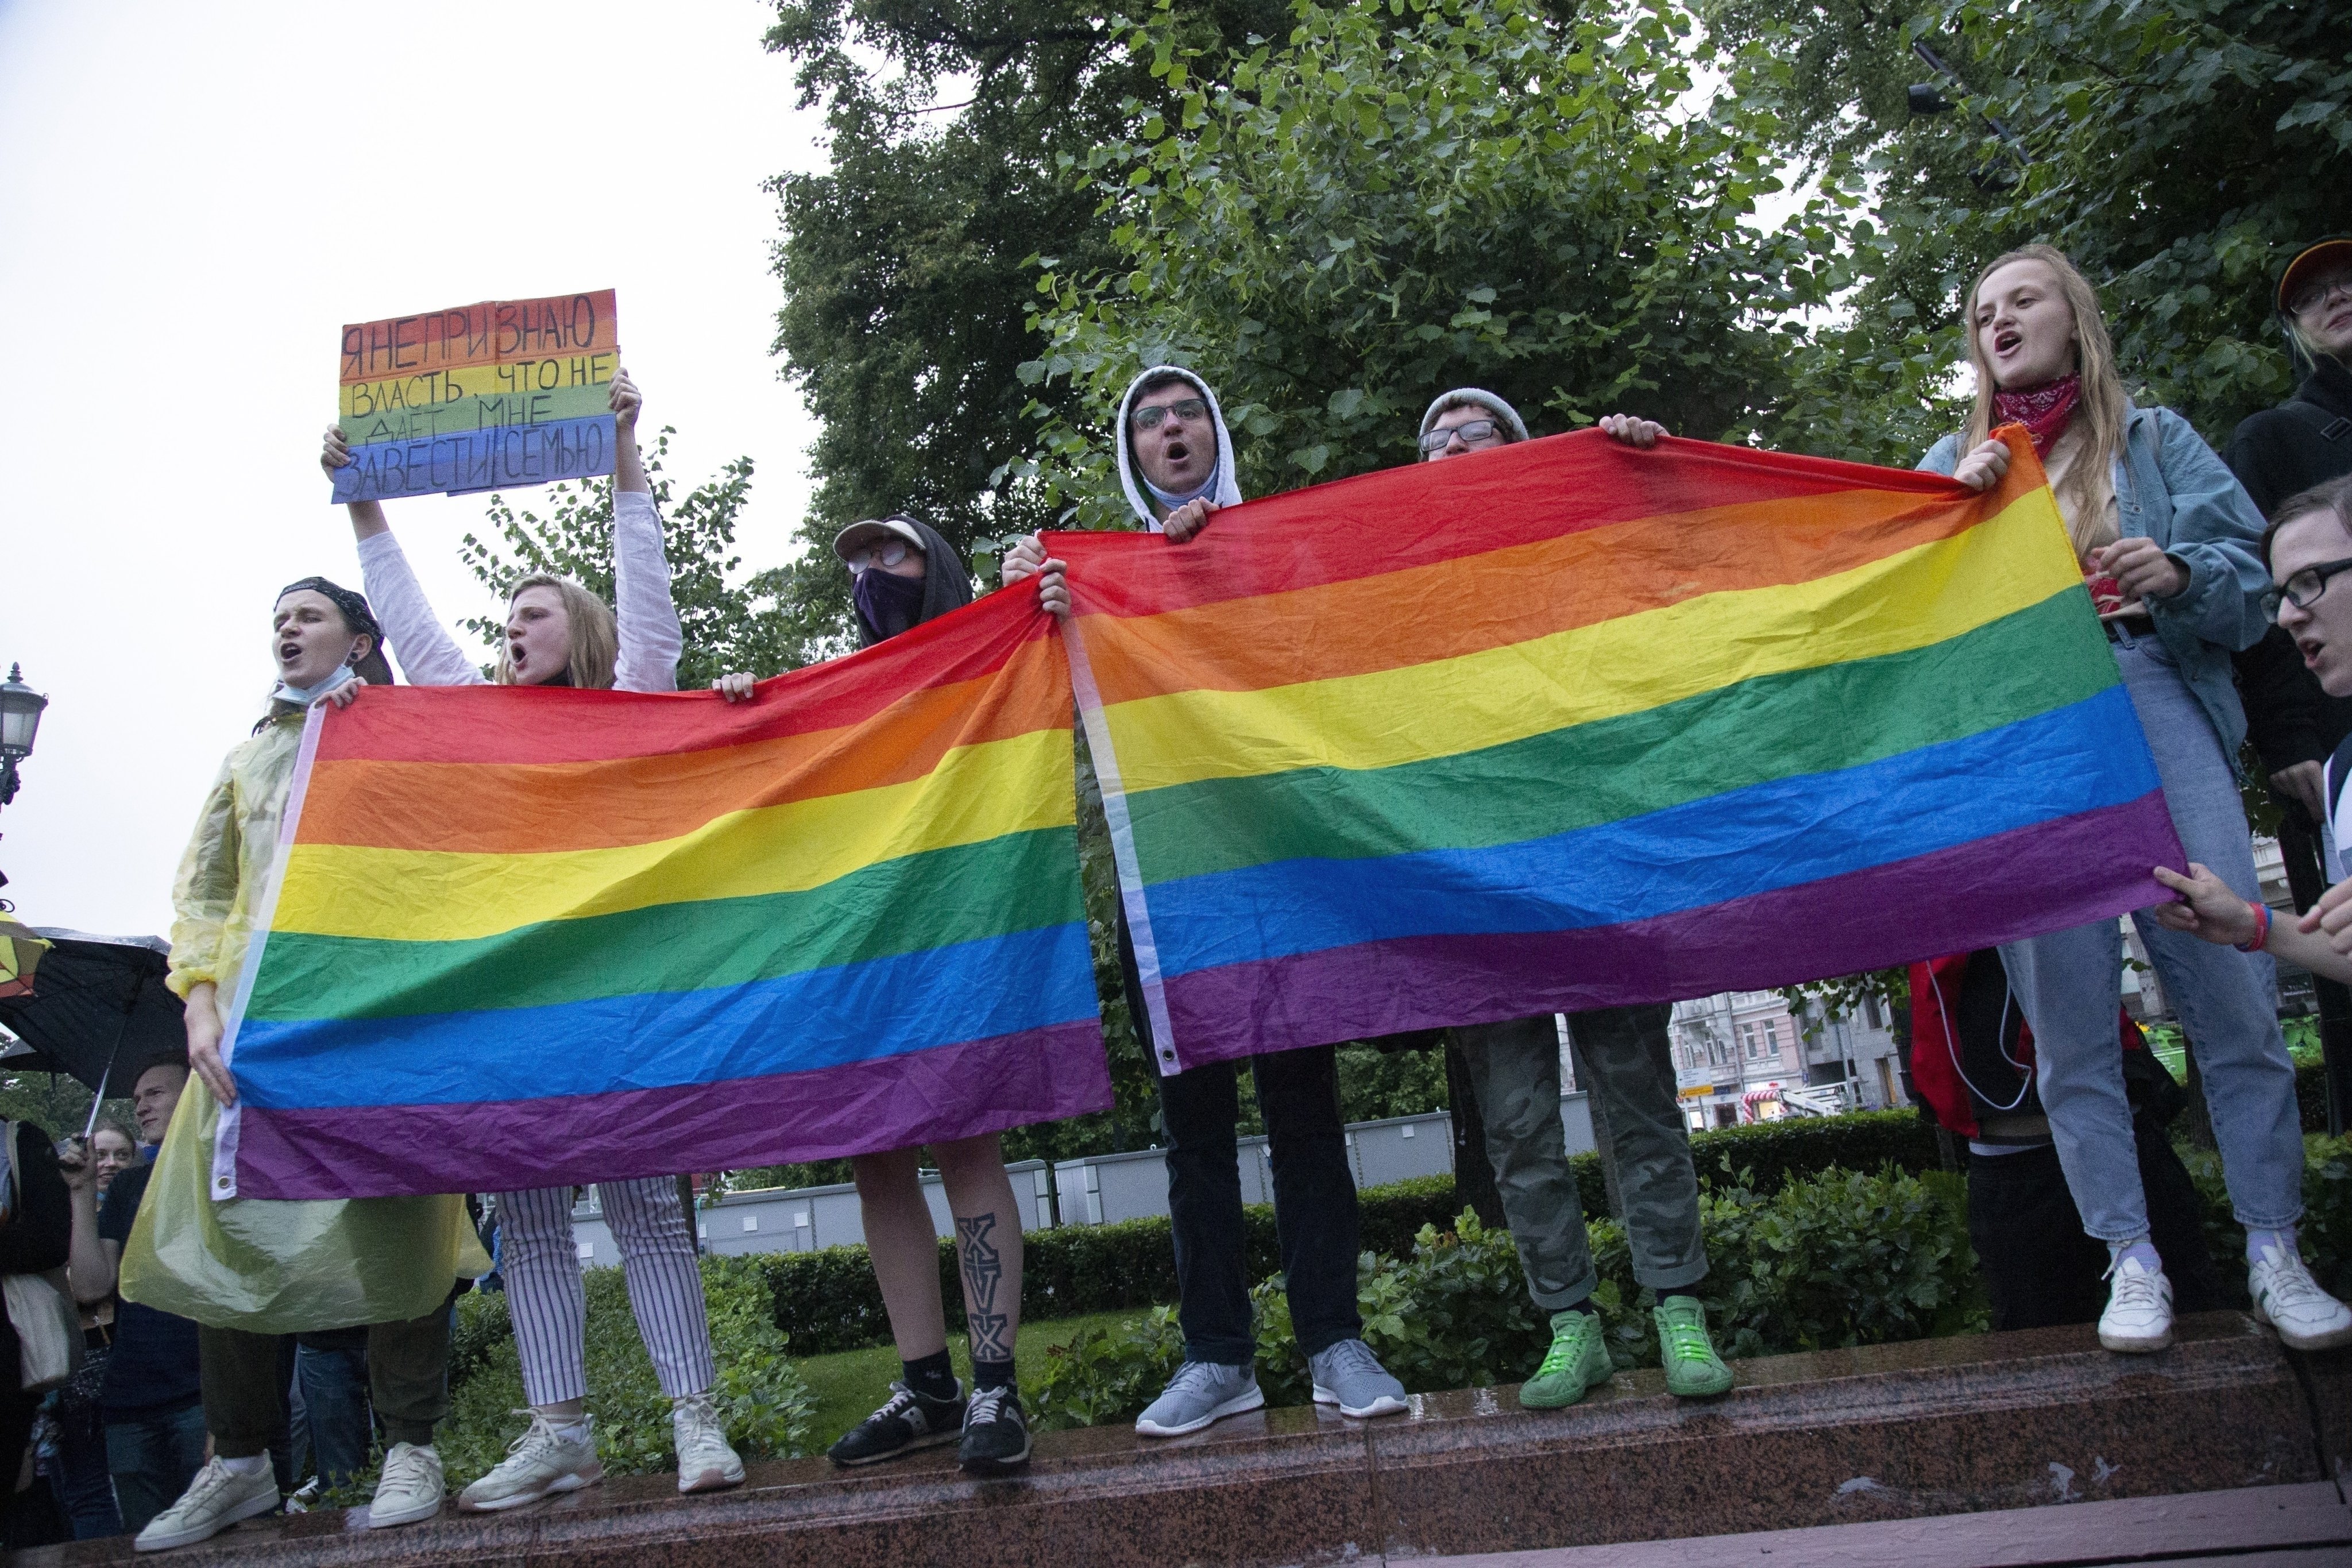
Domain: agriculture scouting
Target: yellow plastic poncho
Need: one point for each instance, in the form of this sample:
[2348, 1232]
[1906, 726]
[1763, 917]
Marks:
[248, 1263]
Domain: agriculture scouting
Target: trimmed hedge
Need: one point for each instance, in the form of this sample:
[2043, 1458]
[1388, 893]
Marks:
[827, 1300]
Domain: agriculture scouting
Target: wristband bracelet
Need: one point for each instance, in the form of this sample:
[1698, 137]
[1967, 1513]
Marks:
[2262, 929]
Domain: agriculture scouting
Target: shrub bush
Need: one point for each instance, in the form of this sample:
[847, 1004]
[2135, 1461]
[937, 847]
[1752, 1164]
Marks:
[827, 1300]
[759, 1395]
[2325, 1233]
[1842, 1258]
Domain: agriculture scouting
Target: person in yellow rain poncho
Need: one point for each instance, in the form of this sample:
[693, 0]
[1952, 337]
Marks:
[247, 1270]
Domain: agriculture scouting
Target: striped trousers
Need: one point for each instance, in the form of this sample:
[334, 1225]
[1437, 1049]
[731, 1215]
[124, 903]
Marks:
[550, 1309]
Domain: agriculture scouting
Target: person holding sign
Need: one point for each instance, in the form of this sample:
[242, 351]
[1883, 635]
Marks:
[559, 633]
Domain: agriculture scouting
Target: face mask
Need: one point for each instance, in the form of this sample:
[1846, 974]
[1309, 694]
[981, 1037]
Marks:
[890, 604]
[304, 696]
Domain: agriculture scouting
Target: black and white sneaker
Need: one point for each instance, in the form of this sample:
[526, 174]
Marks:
[906, 1422]
[996, 1434]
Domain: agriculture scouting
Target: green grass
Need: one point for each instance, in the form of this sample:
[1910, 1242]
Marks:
[849, 1385]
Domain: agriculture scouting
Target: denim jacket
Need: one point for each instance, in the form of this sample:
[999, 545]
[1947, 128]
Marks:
[2169, 487]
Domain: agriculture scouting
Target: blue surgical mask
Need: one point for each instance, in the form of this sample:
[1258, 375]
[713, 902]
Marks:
[304, 696]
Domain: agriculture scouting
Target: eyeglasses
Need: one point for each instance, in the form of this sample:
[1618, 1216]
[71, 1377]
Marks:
[1151, 418]
[2312, 294]
[2301, 589]
[888, 552]
[1472, 432]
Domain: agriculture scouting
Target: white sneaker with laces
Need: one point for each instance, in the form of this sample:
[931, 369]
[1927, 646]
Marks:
[2290, 1301]
[410, 1489]
[2139, 1318]
[215, 1500]
[542, 1460]
[705, 1461]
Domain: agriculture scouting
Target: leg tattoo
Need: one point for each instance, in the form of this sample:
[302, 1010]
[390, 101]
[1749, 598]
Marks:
[983, 1275]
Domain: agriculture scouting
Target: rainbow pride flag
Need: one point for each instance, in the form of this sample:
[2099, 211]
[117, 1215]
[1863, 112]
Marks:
[522, 938]
[1568, 725]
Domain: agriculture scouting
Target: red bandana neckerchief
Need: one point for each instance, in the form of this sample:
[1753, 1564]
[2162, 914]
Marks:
[2043, 410]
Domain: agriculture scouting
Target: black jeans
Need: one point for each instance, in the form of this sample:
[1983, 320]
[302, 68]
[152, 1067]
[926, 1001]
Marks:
[1314, 1212]
[2040, 1269]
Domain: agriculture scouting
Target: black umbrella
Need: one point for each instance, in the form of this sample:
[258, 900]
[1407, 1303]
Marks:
[100, 1010]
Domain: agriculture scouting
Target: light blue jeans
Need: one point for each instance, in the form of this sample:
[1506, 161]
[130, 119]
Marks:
[2069, 985]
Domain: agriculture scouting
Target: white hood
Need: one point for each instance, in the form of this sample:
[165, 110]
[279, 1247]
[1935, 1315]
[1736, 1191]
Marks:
[1224, 491]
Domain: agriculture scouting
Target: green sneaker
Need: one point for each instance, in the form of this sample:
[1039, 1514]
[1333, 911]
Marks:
[1577, 1361]
[1693, 1369]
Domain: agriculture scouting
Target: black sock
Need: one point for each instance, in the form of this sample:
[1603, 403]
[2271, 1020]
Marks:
[992, 1374]
[1585, 1307]
[932, 1377]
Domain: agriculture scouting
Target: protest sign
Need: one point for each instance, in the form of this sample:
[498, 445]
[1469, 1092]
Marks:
[489, 396]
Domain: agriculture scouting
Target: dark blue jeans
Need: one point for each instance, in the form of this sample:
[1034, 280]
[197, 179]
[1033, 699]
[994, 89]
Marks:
[85, 1490]
[330, 1371]
[153, 1458]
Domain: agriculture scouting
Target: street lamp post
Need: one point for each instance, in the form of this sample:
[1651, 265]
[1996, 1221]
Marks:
[20, 721]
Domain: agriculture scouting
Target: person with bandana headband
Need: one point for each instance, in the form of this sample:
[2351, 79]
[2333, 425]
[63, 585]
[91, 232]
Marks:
[559, 633]
[245, 1269]
[905, 573]
[2168, 545]
[1176, 468]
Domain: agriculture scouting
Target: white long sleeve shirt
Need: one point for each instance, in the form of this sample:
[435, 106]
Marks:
[649, 634]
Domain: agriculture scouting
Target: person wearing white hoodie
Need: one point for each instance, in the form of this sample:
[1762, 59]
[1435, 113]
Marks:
[1176, 467]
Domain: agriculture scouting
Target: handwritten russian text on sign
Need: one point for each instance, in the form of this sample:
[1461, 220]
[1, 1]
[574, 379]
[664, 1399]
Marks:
[502, 393]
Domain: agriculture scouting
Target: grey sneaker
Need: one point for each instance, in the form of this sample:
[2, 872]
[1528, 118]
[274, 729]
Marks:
[1351, 1377]
[1200, 1392]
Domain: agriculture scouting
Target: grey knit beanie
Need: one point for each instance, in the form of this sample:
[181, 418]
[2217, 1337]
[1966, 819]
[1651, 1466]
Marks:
[1478, 397]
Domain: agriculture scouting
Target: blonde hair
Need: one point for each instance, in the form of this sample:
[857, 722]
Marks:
[595, 645]
[2312, 352]
[2101, 411]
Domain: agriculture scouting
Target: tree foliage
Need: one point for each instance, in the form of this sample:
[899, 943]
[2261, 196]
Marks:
[729, 622]
[1404, 199]
[906, 264]
[2177, 150]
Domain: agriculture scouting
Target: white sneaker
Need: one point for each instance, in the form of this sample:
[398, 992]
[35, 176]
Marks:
[705, 1462]
[410, 1489]
[2139, 1318]
[2289, 1299]
[538, 1463]
[215, 1500]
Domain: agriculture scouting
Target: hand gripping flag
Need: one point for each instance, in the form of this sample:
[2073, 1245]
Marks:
[522, 938]
[1570, 725]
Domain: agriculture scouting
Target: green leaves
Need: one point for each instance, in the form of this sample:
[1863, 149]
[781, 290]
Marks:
[1405, 200]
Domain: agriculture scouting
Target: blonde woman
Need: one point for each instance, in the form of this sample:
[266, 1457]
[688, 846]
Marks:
[560, 633]
[2169, 546]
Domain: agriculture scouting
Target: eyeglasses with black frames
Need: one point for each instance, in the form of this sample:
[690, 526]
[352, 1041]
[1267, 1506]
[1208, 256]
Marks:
[2301, 589]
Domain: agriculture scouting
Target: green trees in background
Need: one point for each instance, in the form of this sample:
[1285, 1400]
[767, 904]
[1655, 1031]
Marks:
[2177, 150]
[1404, 199]
[907, 265]
[1334, 210]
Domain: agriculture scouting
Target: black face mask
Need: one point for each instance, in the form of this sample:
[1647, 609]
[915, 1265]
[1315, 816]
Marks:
[889, 604]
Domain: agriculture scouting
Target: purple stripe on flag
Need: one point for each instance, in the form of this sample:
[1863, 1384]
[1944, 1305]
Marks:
[2044, 878]
[894, 1103]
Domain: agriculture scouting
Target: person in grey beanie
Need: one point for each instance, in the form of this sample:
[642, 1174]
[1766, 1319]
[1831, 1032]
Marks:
[1627, 1062]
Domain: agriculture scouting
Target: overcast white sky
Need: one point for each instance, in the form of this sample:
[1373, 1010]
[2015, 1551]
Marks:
[194, 200]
